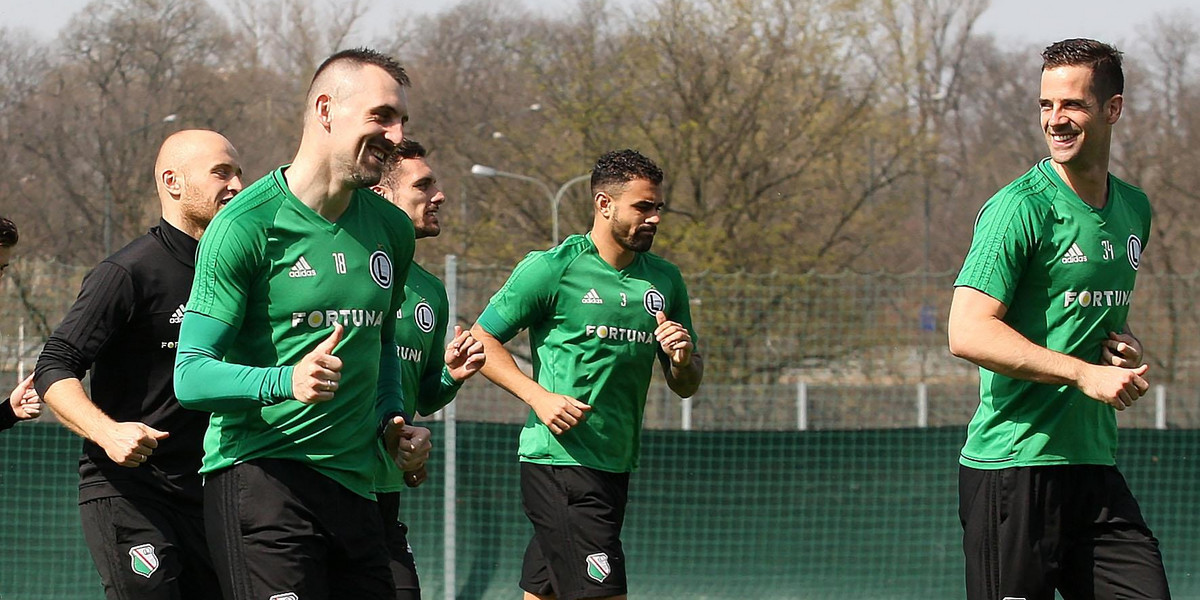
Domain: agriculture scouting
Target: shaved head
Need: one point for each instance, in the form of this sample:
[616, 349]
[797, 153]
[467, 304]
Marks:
[336, 77]
[197, 171]
[184, 146]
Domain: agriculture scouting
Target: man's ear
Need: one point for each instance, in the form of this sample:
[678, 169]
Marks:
[1113, 108]
[172, 182]
[604, 204]
[323, 108]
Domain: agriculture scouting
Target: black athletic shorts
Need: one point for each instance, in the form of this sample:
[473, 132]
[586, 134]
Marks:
[148, 550]
[404, 565]
[1028, 531]
[279, 530]
[577, 514]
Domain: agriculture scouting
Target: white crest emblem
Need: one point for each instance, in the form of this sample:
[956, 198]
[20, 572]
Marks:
[381, 269]
[143, 560]
[285, 596]
[654, 301]
[424, 317]
[598, 567]
[1133, 249]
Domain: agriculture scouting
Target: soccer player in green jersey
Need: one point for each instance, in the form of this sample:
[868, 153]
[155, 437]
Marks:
[431, 375]
[600, 308]
[289, 341]
[1041, 305]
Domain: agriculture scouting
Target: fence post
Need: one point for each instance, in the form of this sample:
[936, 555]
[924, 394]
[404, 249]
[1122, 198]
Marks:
[1160, 406]
[685, 417]
[802, 405]
[449, 451]
[922, 405]
[21, 349]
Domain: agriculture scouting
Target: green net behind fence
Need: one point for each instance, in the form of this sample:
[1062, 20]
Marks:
[832, 514]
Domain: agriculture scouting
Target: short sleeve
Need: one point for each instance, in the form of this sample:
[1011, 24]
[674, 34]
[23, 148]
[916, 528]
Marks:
[1005, 239]
[525, 299]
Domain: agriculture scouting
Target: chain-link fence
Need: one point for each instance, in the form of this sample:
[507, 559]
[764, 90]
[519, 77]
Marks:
[850, 351]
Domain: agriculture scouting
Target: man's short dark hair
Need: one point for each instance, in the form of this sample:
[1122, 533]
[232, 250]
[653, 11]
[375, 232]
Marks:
[407, 149]
[619, 167]
[365, 56]
[1104, 60]
[8, 233]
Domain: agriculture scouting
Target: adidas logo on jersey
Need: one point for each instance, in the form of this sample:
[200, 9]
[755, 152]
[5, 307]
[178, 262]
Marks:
[1074, 255]
[177, 318]
[592, 297]
[302, 269]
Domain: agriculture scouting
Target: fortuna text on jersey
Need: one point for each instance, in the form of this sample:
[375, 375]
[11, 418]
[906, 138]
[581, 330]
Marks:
[619, 334]
[358, 317]
[1097, 298]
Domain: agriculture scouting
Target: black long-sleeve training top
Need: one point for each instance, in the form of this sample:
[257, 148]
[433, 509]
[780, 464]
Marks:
[124, 326]
[8, 418]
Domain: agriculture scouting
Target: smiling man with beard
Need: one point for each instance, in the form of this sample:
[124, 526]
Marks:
[139, 492]
[288, 342]
[600, 308]
[1041, 305]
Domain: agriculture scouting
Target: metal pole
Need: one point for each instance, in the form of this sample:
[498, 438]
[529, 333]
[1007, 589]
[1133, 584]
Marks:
[108, 205]
[21, 349]
[802, 405]
[1160, 406]
[685, 417]
[922, 405]
[558, 197]
[449, 449]
[486, 171]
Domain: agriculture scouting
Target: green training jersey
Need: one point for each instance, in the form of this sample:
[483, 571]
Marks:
[591, 328]
[1066, 273]
[420, 339]
[281, 275]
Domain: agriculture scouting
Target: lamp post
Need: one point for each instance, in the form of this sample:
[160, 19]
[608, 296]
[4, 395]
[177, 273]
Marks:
[108, 196]
[553, 197]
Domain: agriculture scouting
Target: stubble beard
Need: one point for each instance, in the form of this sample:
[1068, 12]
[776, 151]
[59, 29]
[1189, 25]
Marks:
[635, 242]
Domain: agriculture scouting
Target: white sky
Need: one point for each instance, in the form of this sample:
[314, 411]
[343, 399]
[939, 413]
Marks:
[1037, 22]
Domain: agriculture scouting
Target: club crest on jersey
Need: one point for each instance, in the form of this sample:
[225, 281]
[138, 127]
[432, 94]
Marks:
[598, 567]
[654, 301]
[424, 317]
[381, 269]
[1133, 249]
[144, 560]
[285, 596]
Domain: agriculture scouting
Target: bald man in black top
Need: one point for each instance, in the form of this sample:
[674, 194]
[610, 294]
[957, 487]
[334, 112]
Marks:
[139, 490]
